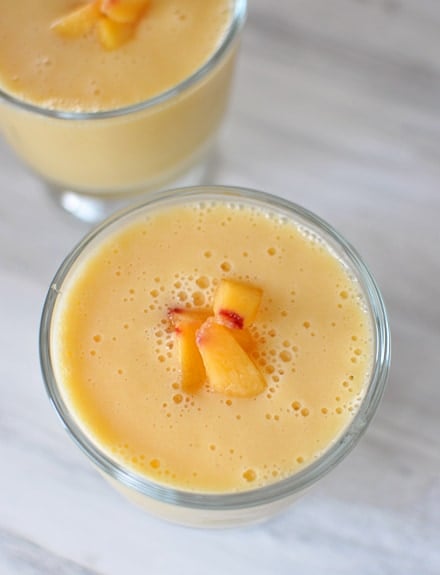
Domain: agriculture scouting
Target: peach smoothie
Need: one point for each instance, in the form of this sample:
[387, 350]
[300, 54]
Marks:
[116, 101]
[116, 356]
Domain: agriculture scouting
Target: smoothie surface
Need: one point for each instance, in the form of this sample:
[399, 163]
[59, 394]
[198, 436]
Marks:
[171, 41]
[115, 356]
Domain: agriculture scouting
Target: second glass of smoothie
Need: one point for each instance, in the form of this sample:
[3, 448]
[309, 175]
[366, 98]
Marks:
[99, 124]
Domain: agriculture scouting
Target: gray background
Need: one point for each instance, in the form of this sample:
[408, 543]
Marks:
[336, 106]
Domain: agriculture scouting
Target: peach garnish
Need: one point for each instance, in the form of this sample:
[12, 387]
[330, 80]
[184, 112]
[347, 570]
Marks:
[236, 304]
[185, 324]
[113, 34]
[216, 348]
[229, 368]
[124, 11]
[243, 337]
[114, 20]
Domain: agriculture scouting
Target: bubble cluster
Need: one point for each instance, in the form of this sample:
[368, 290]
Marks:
[299, 409]
[347, 401]
[194, 290]
[274, 355]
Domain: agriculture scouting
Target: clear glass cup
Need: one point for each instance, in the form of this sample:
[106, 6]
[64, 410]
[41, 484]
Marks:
[92, 162]
[229, 509]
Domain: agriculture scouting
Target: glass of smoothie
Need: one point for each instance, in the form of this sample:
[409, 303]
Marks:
[214, 352]
[111, 98]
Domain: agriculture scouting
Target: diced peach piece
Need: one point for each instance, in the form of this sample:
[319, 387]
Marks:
[124, 11]
[79, 22]
[236, 304]
[113, 34]
[185, 324]
[244, 338]
[228, 367]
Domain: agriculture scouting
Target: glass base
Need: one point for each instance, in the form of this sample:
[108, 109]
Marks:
[93, 208]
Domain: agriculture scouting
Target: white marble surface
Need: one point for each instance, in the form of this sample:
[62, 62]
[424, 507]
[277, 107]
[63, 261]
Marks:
[336, 106]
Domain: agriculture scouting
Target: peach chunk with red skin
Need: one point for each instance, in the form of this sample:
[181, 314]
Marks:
[229, 369]
[236, 304]
[78, 22]
[124, 11]
[185, 324]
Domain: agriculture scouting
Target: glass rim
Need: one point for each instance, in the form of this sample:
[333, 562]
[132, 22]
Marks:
[235, 27]
[277, 490]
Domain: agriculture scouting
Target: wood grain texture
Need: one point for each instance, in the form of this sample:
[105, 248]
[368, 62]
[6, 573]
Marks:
[336, 106]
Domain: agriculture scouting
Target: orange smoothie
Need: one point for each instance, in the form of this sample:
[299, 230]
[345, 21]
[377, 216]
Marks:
[103, 121]
[115, 356]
